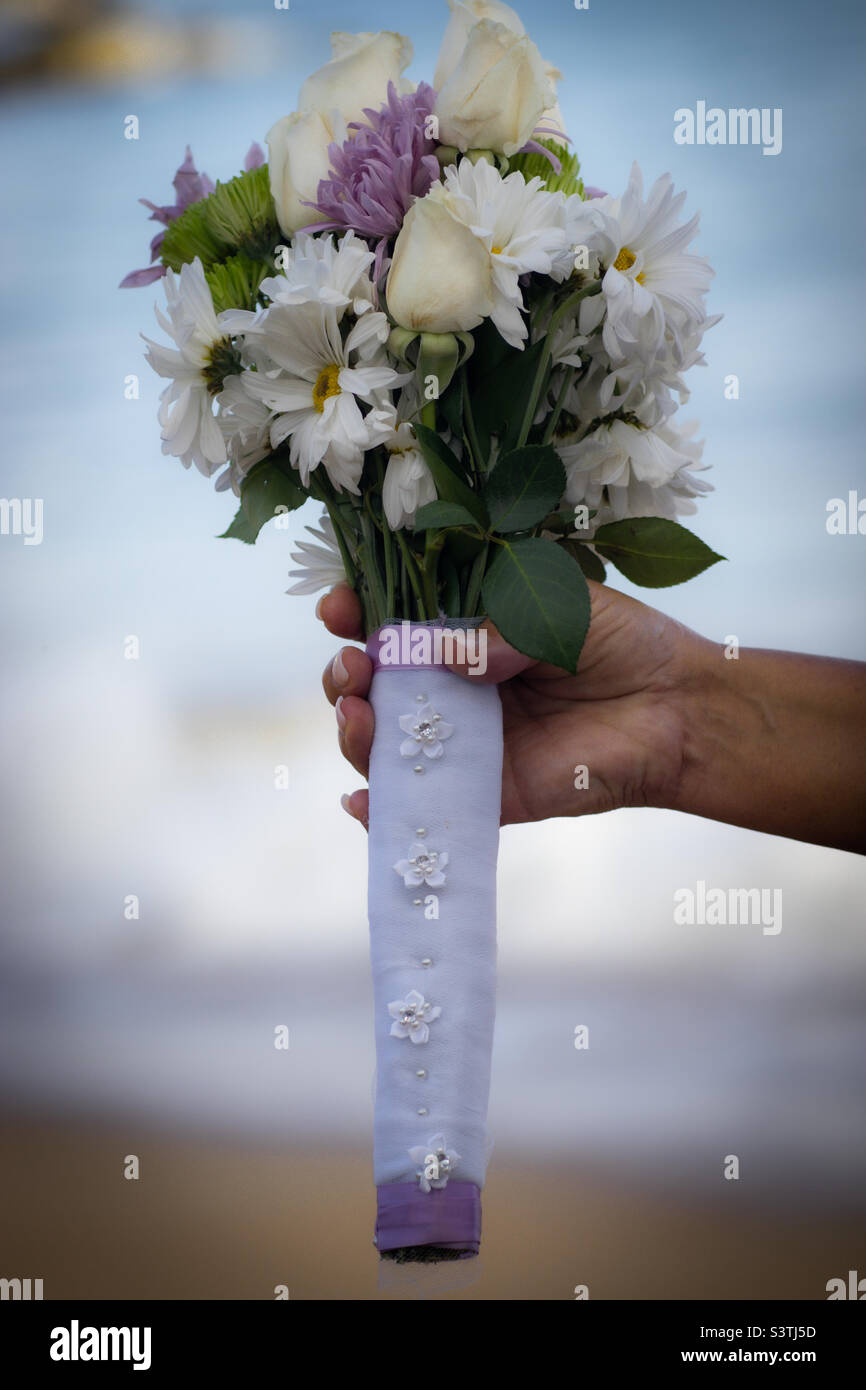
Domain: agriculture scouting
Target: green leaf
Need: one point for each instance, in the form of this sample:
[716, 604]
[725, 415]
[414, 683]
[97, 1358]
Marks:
[523, 487]
[586, 558]
[445, 467]
[240, 529]
[500, 384]
[654, 552]
[440, 515]
[537, 596]
[267, 490]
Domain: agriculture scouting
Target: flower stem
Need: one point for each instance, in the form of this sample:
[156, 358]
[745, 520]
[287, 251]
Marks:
[476, 577]
[411, 564]
[544, 361]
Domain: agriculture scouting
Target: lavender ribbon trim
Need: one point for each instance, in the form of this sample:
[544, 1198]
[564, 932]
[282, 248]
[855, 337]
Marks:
[449, 1217]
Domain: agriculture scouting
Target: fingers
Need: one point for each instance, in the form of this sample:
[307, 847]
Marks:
[350, 673]
[487, 657]
[340, 611]
[355, 724]
[357, 805]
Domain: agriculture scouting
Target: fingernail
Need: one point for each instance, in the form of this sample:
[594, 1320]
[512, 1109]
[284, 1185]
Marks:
[341, 718]
[344, 802]
[339, 672]
[319, 606]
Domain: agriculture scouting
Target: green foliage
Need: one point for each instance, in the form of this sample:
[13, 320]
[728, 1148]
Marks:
[500, 382]
[239, 216]
[653, 552]
[442, 516]
[523, 487]
[536, 595]
[566, 181]
[448, 474]
[240, 529]
[268, 489]
[235, 283]
[589, 562]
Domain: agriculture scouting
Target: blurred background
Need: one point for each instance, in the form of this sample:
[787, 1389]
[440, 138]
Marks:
[153, 1035]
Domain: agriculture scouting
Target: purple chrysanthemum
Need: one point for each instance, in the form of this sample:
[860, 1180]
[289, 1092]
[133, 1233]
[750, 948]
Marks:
[380, 171]
[189, 187]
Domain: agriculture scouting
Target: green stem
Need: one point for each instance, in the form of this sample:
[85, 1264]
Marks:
[388, 544]
[560, 402]
[412, 571]
[471, 431]
[428, 414]
[429, 571]
[476, 577]
[371, 569]
[556, 318]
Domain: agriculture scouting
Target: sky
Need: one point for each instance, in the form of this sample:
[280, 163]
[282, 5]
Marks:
[155, 777]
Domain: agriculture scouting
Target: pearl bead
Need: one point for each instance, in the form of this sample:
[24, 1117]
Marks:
[422, 1110]
[421, 1072]
[421, 832]
[417, 902]
[418, 768]
[426, 961]
[420, 699]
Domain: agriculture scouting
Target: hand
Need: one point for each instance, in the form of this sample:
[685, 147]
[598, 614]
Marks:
[622, 716]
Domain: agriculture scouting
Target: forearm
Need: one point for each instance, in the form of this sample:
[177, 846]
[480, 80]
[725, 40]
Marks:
[776, 741]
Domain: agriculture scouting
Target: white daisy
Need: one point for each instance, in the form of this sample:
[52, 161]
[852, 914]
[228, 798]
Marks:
[198, 365]
[622, 470]
[315, 386]
[321, 565]
[521, 225]
[318, 268]
[408, 482]
[245, 424]
[651, 284]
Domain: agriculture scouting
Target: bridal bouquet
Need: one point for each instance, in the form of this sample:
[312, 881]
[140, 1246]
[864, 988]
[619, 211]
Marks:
[416, 315]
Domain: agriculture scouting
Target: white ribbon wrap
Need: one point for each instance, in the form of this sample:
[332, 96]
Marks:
[456, 802]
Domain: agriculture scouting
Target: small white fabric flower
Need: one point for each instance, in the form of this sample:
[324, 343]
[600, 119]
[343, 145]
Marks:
[422, 866]
[437, 1162]
[412, 1017]
[427, 731]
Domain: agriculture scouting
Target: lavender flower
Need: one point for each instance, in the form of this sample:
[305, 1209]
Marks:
[379, 172]
[190, 187]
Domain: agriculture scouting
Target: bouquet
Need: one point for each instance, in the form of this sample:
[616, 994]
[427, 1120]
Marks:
[417, 316]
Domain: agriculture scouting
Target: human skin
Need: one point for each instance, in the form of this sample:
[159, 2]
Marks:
[774, 741]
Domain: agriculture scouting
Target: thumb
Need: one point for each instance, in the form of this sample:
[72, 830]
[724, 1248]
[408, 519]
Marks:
[484, 655]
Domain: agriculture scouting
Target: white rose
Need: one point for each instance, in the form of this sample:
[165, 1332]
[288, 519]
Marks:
[408, 481]
[358, 74]
[297, 161]
[464, 16]
[440, 279]
[497, 93]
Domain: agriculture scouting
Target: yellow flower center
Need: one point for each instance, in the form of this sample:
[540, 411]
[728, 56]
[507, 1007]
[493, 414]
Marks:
[496, 250]
[327, 384]
[625, 260]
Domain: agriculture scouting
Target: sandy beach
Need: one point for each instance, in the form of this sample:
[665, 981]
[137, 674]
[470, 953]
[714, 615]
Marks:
[209, 1220]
